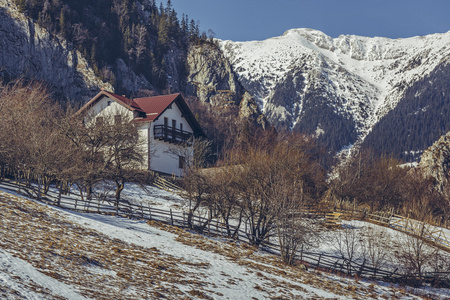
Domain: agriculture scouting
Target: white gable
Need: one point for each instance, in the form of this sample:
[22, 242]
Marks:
[174, 113]
[107, 107]
[163, 159]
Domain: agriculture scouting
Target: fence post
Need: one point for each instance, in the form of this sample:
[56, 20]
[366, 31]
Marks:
[171, 217]
[149, 212]
[217, 227]
[246, 226]
[392, 274]
[362, 267]
[209, 222]
[342, 266]
[301, 253]
[318, 261]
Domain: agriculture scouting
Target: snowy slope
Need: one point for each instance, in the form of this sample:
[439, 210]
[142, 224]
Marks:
[51, 253]
[361, 78]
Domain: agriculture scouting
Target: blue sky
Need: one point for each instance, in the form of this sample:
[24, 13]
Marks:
[244, 20]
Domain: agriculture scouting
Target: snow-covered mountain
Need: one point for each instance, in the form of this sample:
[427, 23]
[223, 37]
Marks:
[339, 88]
[392, 95]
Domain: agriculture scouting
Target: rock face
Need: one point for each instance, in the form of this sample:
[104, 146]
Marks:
[211, 76]
[435, 161]
[27, 50]
[128, 80]
[248, 109]
[212, 80]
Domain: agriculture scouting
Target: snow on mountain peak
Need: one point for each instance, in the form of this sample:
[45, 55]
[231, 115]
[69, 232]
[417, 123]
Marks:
[362, 78]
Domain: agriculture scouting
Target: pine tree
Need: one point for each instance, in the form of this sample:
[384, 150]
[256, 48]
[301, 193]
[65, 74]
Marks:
[21, 5]
[62, 23]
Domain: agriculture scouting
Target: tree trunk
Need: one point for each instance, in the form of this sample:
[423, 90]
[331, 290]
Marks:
[89, 191]
[46, 184]
[120, 184]
[58, 202]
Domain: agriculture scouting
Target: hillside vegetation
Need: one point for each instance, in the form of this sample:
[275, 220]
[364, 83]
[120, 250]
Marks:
[141, 33]
[133, 260]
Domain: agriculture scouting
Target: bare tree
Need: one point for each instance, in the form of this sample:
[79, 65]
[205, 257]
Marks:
[425, 202]
[90, 139]
[195, 182]
[294, 231]
[225, 196]
[124, 151]
[195, 153]
[197, 189]
[371, 180]
[377, 245]
[414, 254]
[349, 243]
[28, 133]
[278, 172]
[141, 41]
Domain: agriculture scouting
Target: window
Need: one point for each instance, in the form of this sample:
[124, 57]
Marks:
[181, 127]
[117, 119]
[174, 124]
[180, 162]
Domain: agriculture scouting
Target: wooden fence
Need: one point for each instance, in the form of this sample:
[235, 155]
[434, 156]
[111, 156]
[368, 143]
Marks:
[435, 235]
[217, 228]
[426, 231]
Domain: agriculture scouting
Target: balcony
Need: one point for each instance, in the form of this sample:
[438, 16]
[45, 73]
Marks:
[171, 135]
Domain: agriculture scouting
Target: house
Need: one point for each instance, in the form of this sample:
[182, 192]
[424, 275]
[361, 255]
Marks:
[164, 123]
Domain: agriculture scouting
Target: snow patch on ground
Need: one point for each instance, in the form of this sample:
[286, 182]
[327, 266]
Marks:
[24, 281]
[240, 274]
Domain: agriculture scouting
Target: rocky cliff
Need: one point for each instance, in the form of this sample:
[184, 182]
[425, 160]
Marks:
[29, 51]
[435, 161]
[212, 79]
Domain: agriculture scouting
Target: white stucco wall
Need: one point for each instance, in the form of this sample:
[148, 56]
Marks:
[144, 137]
[162, 157]
[107, 107]
[171, 114]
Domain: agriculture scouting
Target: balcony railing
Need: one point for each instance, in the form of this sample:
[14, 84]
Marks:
[171, 135]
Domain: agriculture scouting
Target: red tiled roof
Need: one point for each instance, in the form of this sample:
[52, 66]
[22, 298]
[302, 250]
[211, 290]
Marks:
[123, 99]
[128, 103]
[152, 107]
[155, 106]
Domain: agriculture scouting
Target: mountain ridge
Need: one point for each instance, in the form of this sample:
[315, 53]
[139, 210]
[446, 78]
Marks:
[347, 91]
[360, 78]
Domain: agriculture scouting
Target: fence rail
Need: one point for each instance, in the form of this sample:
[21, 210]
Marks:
[215, 227]
[430, 233]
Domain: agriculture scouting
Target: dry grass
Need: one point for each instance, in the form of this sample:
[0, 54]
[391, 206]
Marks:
[104, 268]
[267, 266]
[87, 259]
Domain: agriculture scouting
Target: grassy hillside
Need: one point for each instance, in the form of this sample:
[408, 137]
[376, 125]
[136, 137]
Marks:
[76, 255]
